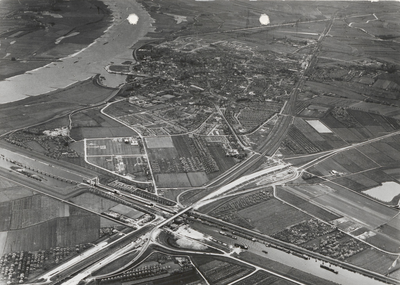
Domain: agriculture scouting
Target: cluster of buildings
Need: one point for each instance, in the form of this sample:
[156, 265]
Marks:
[19, 267]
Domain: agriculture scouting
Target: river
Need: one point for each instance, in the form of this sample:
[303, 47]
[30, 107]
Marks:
[114, 46]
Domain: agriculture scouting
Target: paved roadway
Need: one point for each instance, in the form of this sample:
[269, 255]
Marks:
[257, 246]
[280, 129]
[273, 143]
[94, 258]
[45, 164]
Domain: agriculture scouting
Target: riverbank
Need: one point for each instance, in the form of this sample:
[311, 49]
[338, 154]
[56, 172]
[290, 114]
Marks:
[114, 46]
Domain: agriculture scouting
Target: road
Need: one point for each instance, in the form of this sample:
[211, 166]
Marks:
[94, 258]
[40, 162]
[229, 181]
[273, 142]
[280, 255]
[280, 129]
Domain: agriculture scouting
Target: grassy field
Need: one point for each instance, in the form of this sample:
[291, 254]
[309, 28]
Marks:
[93, 202]
[351, 161]
[389, 240]
[395, 223]
[34, 210]
[172, 180]
[373, 260]
[159, 142]
[224, 163]
[262, 277]
[92, 124]
[183, 145]
[66, 231]
[180, 161]
[51, 105]
[10, 191]
[39, 222]
[29, 211]
[104, 147]
[5, 213]
[117, 156]
[197, 178]
[305, 205]
[278, 215]
[219, 270]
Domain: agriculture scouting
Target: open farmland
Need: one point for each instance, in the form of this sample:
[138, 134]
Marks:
[219, 270]
[56, 103]
[229, 205]
[278, 214]
[34, 210]
[11, 191]
[108, 147]
[29, 211]
[61, 232]
[159, 142]
[305, 205]
[340, 201]
[205, 75]
[92, 124]
[39, 222]
[373, 260]
[182, 161]
[262, 277]
[352, 160]
[93, 202]
[172, 180]
[118, 155]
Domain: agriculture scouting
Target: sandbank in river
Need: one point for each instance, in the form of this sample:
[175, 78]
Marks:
[114, 46]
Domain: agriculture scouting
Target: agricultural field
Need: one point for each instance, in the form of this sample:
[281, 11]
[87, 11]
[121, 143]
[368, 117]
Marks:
[93, 202]
[252, 210]
[373, 260]
[305, 205]
[261, 277]
[10, 191]
[183, 161]
[56, 103]
[111, 147]
[382, 228]
[157, 267]
[252, 116]
[92, 124]
[28, 211]
[118, 155]
[364, 168]
[159, 142]
[232, 205]
[171, 180]
[336, 129]
[220, 271]
[38, 222]
[58, 232]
